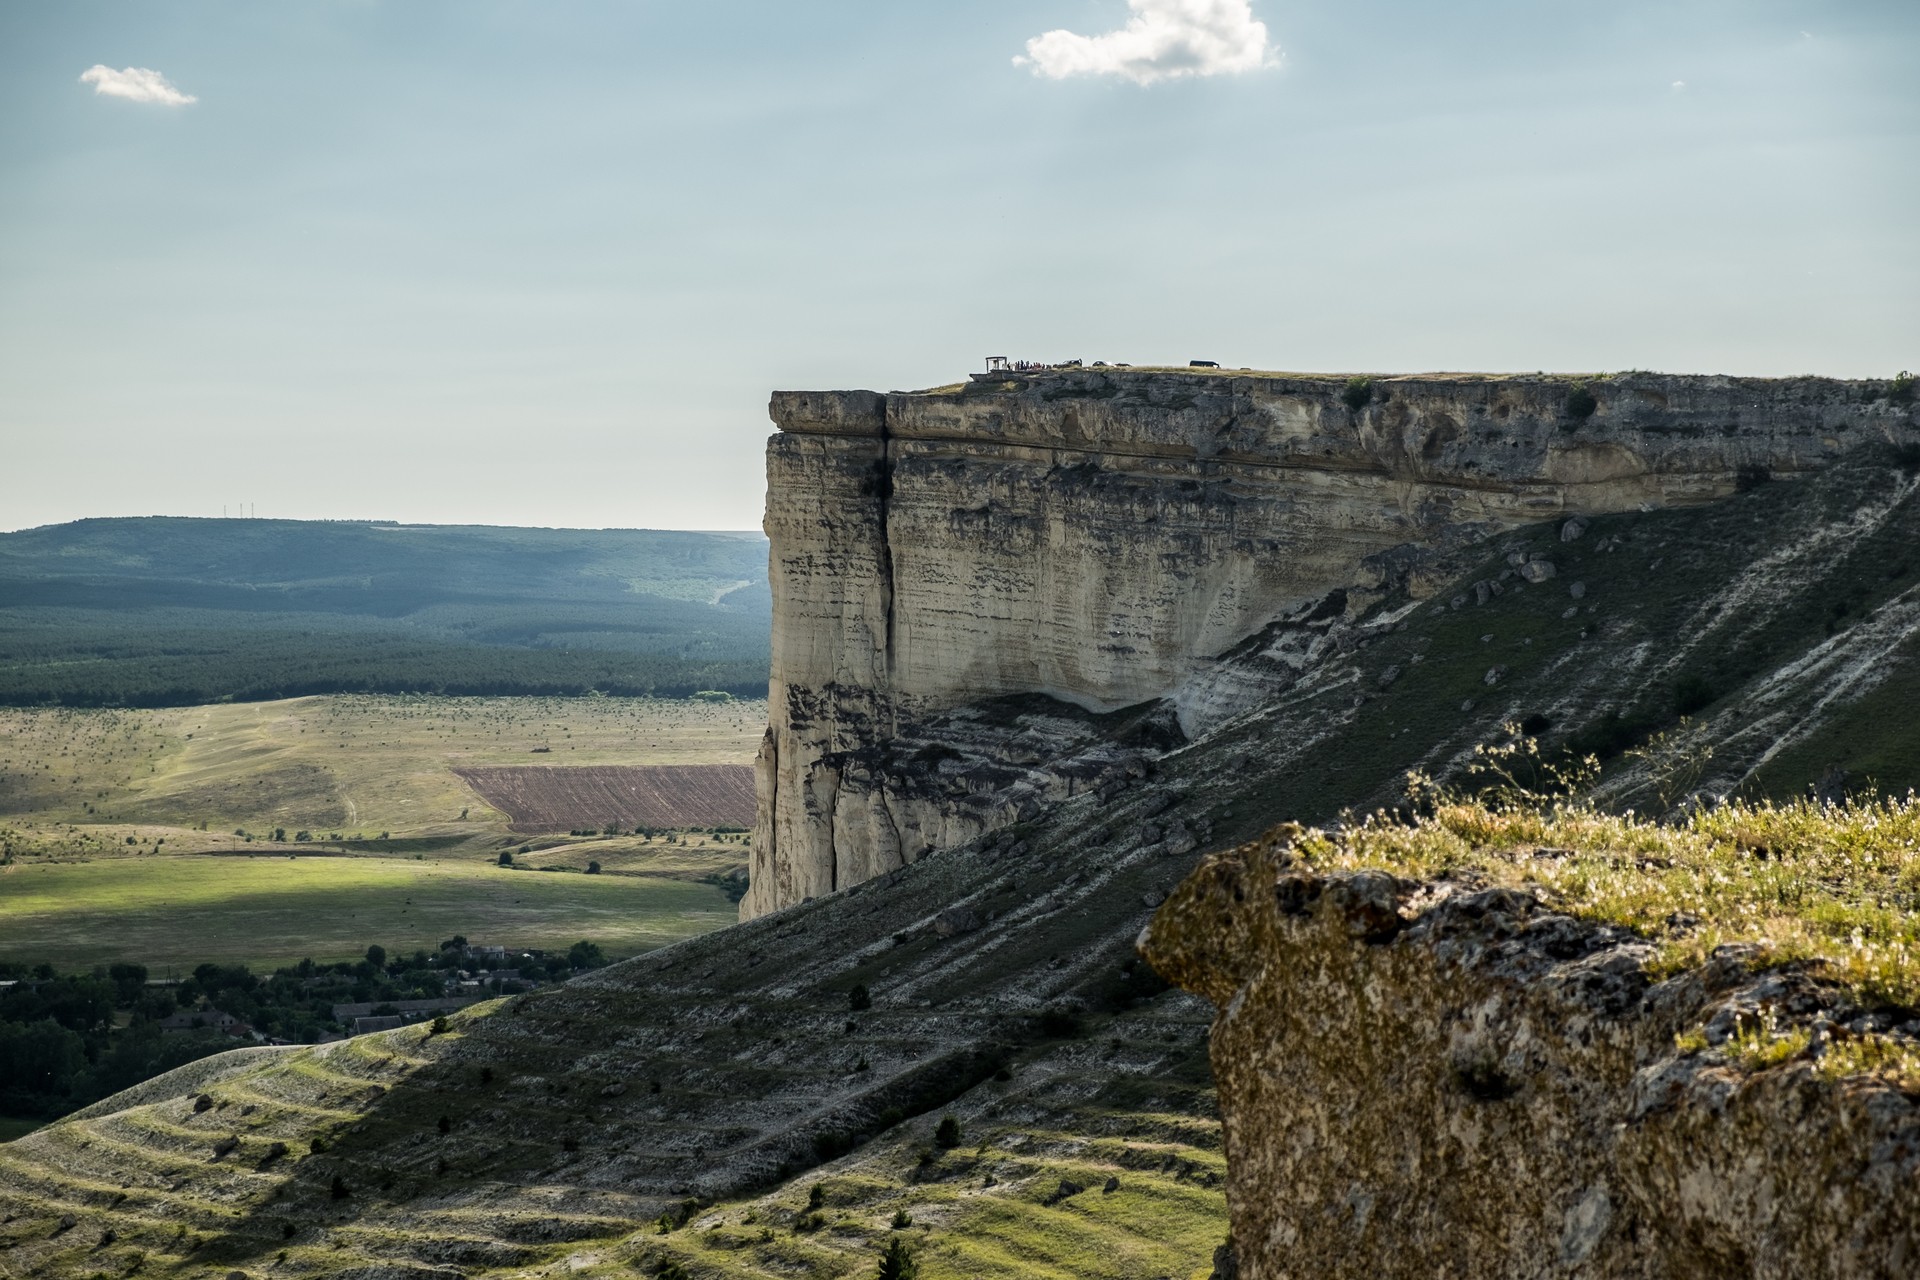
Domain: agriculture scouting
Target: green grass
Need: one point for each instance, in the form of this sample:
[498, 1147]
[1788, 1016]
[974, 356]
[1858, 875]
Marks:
[271, 909]
[1832, 887]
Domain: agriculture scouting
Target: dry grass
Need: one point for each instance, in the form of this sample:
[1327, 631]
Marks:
[1835, 888]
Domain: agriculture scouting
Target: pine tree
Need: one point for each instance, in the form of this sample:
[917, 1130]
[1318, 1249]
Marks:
[897, 1262]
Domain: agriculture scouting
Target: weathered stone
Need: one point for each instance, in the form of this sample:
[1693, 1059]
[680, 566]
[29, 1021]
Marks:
[1572, 529]
[956, 920]
[1493, 1091]
[1538, 570]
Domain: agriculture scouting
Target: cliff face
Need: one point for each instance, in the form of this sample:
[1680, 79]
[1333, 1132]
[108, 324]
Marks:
[1108, 538]
[1442, 1079]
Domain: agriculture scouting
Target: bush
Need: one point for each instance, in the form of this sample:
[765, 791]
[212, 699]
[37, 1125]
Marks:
[339, 1189]
[593, 868]
[859, 999]
[897, 1262]
[947, 1133]
[1358, 393]
[1691, 694]
[506, 858]
[1581, 403]
[1057, 1022]
[1901, 389]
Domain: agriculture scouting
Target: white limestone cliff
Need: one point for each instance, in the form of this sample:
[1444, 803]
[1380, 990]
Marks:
[1107, 538]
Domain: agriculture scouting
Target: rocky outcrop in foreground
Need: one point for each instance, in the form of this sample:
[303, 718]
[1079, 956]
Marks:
[1443, 1079]
[1113, 538]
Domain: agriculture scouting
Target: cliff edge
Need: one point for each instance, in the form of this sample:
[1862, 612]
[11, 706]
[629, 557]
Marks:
[1113, 540]
[1496, 1072]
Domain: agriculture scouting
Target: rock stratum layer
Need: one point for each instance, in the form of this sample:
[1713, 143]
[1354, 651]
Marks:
[1110, 538]
[1445, 1080]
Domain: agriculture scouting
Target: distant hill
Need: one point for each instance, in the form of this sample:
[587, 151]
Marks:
[167, 611]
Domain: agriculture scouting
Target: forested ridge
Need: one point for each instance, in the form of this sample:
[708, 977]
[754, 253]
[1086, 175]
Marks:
[162, 611]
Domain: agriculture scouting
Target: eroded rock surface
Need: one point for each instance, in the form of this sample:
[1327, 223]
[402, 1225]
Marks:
[1445, 1080]
[1108, 538]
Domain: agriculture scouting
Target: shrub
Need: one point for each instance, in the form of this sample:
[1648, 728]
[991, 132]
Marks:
[1057, 1022]
[1581, 403]
[593, 868]
[1901, 389]
[1691, 694]
[339, 1189]
[897, 1262]
[947, 1133]
[506, 858]
[816, 1195]
[902, 1219]
[860, 999]
[1907, 457]
[1357, 394]
[439, 1027]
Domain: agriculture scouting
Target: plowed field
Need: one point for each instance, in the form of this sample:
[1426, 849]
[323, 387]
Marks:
[542, 799]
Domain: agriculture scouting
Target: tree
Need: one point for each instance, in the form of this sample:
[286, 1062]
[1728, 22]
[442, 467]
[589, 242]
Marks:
[129, 981]
[593, 868]
[947, 1133]
[897, 1262]
[506, 857]
[377, 956]
[859, 999]
[585, 955]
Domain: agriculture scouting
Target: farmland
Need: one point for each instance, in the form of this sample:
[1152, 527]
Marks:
[670, 795]
[357, 765]
[266, 910]
[163, 835]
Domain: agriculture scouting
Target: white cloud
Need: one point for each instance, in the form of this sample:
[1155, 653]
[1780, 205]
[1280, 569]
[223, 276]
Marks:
[1163, 40]
[135, 84]
[1679, 86]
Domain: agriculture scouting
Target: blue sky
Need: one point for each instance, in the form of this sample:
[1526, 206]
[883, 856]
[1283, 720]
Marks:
[540, 263]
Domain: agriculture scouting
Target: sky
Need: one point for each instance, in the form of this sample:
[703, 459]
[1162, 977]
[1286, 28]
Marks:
[540, 262]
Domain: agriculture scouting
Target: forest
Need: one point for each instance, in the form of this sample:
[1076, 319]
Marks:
[167, 611]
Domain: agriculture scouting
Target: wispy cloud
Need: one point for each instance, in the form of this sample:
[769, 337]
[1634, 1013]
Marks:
[1163, 40]
[135, 84]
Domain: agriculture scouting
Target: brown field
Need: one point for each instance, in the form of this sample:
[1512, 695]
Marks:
[561, 798]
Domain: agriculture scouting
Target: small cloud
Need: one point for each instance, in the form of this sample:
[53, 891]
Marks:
[135, 84]
[1163, 40]
[1679, 86]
